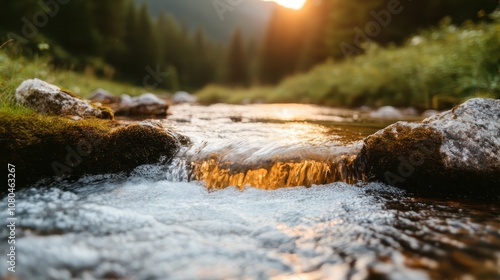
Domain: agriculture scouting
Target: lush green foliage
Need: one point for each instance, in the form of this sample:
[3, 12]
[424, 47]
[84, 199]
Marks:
[297, 40]
[438, 68]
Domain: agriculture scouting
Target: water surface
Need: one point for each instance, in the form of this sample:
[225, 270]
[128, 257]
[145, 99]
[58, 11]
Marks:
[161, 223]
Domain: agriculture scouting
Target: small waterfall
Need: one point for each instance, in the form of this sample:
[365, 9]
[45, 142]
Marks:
[277, 175]
[265, 173]
[267, 146]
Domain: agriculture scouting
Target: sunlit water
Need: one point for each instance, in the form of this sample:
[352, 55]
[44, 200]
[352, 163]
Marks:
[161, 223]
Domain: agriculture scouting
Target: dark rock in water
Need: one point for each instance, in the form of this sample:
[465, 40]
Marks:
[103, 96]
[147, 104]
[49, 99]
[48, 147]
[455, 152]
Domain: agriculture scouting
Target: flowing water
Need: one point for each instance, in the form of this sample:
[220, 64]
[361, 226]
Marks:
[262, 191]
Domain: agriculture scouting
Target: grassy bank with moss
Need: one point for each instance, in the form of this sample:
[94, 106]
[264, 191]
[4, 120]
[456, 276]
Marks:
[43, 146]
[437, 69]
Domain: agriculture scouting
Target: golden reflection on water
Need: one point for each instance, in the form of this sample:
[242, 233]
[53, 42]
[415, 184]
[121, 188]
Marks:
[276, 175]
[271, 146]
[300, 112]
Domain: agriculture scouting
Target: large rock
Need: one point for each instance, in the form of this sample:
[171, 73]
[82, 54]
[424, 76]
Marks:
[48, 147]
[49, 99]
[147, 104]
[457, 151]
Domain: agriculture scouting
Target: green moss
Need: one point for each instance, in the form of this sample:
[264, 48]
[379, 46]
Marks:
[72, 94]
[42, 146]
[106, 112]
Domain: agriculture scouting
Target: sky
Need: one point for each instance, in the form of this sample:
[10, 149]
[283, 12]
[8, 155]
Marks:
[293, 4]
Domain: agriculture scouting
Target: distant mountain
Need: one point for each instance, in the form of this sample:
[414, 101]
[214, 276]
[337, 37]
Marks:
[251, 16]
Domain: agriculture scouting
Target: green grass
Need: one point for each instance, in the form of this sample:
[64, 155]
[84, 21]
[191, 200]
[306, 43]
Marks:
[15, 69]
[436, 69]
[219, 94]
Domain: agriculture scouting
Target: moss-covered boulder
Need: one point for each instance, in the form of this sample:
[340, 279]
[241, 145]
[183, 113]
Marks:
[49, 99]
[45, 147]
[455, 152]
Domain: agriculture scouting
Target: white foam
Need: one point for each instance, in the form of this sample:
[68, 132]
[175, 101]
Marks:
[142, 229]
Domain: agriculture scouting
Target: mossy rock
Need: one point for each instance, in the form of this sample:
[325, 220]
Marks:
[455, 153]
[48, 99]
[402, 156]
[44, 147]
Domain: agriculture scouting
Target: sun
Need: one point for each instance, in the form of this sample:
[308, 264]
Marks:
[292, 4]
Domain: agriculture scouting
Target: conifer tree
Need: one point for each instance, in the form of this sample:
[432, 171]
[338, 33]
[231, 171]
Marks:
[142, 43]
[282, 45]
[237, 61]
[110, 17]
[203, 69]
[346, 33]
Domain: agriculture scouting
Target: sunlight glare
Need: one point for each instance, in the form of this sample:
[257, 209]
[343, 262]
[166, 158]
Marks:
[292, 4]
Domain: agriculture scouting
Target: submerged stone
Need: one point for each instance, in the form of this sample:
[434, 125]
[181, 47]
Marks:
[49, 99]
[457, 151]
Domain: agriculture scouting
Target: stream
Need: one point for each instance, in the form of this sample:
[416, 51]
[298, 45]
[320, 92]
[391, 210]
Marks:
[260, 192]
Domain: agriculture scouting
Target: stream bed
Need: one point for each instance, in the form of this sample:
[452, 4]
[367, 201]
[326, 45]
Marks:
[261, 192]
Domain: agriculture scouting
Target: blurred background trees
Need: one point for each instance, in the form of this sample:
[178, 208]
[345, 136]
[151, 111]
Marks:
[121, 38]
[237, 61]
